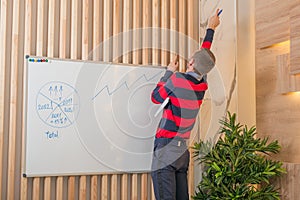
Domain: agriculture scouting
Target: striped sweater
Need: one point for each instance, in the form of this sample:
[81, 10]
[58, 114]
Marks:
[185, 94]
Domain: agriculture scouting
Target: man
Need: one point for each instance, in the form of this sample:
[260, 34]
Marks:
[183, 93]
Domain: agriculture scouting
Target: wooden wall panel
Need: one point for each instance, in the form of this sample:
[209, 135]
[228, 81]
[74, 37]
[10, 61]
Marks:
[156, 23]
[4, 16]
[14, 103]
[165, 24]
[277, 115]
[174, 27]
[286, 82]
[137, 34]
[146, 56]
[272, 22]
[295, 37]
[183, 47]
[288, 184]
[78, 29]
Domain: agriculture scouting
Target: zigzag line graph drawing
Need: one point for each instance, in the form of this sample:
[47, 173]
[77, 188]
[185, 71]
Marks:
[124, 84]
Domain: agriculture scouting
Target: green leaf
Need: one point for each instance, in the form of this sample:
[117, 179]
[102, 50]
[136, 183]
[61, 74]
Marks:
[235, 163]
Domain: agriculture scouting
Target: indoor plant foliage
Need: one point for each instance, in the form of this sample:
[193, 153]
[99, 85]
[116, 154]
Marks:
[237, 167]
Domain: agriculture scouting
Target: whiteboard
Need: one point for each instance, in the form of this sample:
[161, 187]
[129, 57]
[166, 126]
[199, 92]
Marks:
[88, 117]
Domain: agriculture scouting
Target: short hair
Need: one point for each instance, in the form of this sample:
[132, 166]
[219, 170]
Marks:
[204, 61]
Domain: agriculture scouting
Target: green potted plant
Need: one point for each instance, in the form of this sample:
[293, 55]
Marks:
[238, 165]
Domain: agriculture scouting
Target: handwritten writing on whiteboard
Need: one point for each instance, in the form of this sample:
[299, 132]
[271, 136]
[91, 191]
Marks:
[51, 134]
[57, 104]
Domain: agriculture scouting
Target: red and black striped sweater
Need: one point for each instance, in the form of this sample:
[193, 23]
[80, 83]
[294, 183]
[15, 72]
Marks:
[185, 94]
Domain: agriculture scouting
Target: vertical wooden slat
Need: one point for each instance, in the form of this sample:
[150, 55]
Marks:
[27, 51]
[40, 27]
[114, 187]
[183, 38]
[117, 25]
[97, 36]
[137, 36]
[52, 24]
[165, 24]
[134, 186]
[94, 187]
[74, 53]
[75, 29]
[107, 30]
[127, 24]
[3, 59]
[63, 29]
[125, 59]
[13, 101]
[51, 27]
[193, 25]
[62, 54]
[136, 59]
[97, 29]
[59, 188]
[144, 186]
[85, 28]
[24, 188]
[47, 188]
[96, 56]
[124, 187]
[156, 4]
[104, 187]
[71, 188]
[107, 56]
[174, 28]
[82, 188]
[146, 34]
[85, 53]
[39, 52]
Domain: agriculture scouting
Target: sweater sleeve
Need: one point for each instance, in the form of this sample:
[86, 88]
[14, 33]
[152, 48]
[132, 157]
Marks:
[208, 38]
[162, 89]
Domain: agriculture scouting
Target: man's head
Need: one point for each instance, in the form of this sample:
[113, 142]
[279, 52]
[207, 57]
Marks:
[204, 61]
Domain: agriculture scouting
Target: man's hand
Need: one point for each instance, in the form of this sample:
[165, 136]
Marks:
[214, 21]
[173, 66]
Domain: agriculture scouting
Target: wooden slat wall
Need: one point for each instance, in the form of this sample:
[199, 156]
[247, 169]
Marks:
[288, 183]
[77, 29]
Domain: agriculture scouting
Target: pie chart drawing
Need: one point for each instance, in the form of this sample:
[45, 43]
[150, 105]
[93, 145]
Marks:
[57, 104]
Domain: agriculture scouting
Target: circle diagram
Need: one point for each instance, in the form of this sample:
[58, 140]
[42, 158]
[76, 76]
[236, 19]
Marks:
[57, 104]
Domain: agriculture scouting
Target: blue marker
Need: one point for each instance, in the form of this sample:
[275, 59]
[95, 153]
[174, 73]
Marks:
[220, 12]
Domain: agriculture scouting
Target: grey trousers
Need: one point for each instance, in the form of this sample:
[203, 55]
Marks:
[169, 169]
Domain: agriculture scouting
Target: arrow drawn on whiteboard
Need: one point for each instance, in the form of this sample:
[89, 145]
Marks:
[124, 84]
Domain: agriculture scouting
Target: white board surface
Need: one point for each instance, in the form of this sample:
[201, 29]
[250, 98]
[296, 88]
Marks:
[88, 117]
